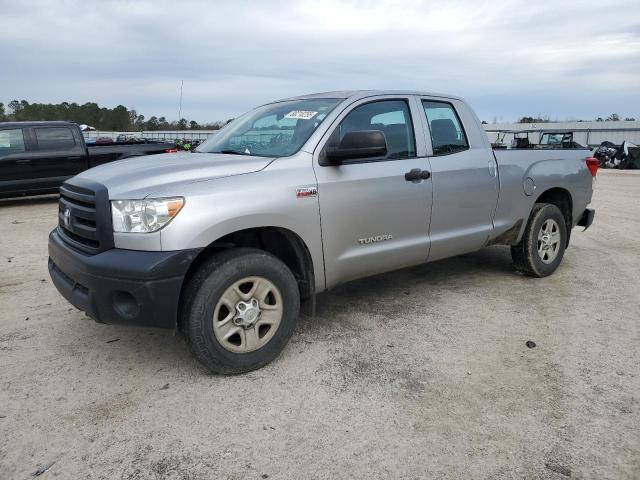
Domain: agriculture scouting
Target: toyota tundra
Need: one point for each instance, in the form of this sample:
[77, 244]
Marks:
[296, 197]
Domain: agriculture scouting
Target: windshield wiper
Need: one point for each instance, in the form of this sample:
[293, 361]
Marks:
[232, 152]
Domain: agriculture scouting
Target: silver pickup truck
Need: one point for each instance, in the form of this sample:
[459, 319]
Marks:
[298, 196]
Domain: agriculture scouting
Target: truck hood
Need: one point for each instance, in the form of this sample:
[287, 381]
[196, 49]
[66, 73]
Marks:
[140, 177]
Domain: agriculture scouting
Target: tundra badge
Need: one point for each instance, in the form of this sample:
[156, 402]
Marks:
[375, 239]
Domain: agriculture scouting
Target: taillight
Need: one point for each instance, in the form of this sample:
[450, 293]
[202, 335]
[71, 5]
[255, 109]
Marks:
[592, 165]
[171, 150]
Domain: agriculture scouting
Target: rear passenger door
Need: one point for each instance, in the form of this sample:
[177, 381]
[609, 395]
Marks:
[373, 218]
[59, 154]
[465, 180]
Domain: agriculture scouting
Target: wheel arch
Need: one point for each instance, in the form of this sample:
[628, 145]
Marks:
[561, 198]
[281, 242]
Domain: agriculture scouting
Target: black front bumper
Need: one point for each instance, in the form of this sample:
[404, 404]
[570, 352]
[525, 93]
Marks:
[121, 286]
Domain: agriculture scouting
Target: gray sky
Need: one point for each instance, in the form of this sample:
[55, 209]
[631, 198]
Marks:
[571, 59]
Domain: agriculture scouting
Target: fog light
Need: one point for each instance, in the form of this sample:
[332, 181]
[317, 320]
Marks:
[125, 304]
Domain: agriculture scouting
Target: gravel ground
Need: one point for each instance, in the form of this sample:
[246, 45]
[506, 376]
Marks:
[420, 373]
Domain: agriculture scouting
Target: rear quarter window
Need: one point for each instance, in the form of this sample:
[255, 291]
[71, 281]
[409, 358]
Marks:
[55, 138]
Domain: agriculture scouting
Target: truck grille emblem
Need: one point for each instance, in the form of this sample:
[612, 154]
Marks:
[67, 217]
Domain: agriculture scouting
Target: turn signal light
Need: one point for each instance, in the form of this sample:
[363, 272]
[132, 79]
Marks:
[592, 165]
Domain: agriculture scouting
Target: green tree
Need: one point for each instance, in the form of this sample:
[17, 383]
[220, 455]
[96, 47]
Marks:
[193, 125]
[614, 117]
[152, 124]
[14, 106]
[139, 123]
[182, 124]
[3, 116]
[533, 120]
[119, 118]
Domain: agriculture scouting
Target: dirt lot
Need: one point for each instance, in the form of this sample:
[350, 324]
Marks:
[421, 373]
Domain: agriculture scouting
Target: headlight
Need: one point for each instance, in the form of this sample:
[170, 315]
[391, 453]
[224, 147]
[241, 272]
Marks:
[143, 216]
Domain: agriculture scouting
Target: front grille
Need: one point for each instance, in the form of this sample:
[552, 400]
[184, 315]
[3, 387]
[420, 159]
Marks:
[84, 218]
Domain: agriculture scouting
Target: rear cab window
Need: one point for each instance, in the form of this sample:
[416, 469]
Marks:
[11, 141]
[54, 138]
[447, 134]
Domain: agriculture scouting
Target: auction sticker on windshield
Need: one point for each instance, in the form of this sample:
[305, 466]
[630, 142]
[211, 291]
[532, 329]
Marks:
[303, 114]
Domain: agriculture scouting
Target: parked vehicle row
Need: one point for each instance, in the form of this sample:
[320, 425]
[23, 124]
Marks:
[296, 197]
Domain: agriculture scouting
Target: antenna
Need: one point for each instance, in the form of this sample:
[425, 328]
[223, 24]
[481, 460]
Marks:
[180, 108]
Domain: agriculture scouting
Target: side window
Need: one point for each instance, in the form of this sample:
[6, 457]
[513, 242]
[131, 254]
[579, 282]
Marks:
[392, 117]
[447, 134]
[11, 141]
[55, 138]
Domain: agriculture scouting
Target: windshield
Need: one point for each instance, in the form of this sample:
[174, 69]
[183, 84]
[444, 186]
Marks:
[274, 130]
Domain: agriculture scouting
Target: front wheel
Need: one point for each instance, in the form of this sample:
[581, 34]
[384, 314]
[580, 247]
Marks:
[542, 246]
[239, 310]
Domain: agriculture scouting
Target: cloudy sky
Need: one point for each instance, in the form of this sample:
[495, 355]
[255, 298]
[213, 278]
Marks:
[571, 59]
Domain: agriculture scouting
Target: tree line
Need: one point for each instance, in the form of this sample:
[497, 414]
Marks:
[102, 118]
[122, 119]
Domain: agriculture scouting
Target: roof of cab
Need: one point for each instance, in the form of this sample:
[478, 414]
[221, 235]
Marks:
[356, 94]
[52, 123]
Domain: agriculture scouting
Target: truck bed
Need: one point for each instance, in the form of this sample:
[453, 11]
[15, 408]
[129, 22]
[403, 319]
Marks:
[524, 174]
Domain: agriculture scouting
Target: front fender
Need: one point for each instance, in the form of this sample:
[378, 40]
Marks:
[262, 199]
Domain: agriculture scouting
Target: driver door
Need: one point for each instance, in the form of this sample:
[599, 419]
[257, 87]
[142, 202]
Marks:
[373, 218]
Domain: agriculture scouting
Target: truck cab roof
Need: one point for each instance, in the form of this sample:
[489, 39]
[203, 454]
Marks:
[357, 94]
[53, 123]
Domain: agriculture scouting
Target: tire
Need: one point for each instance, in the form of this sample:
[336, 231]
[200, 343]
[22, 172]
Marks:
[526, 255]
[207, 294]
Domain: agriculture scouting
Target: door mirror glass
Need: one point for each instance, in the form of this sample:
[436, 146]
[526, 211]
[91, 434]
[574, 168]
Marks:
[357, 144]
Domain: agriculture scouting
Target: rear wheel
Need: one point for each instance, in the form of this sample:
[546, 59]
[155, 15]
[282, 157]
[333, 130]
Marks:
[239, 310]
[542, 246]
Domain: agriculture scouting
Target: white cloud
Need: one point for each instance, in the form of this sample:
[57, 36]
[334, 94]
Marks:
[509, 58]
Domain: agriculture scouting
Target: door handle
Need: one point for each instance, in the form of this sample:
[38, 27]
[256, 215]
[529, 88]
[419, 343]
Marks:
[492, 168]
[415, 175]
[23, 160]
[74, 158]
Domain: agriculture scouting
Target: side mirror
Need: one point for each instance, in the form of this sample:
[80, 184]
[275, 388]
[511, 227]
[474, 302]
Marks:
[355, 145]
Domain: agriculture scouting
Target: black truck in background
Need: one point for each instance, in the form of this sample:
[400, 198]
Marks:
[36, 157]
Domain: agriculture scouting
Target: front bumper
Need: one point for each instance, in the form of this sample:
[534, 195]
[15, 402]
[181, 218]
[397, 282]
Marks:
[587, 218]
[121, 286]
